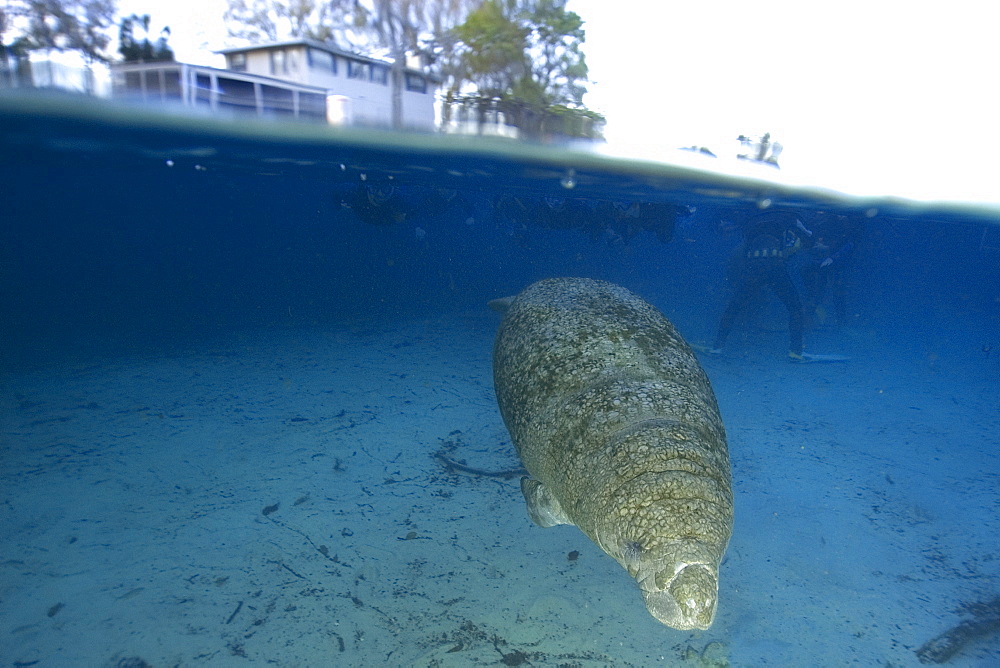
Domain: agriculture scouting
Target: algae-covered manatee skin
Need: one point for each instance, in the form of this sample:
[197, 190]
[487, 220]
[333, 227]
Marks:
[618, 427]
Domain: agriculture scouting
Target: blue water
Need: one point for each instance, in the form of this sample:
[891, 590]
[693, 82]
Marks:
[199, 322]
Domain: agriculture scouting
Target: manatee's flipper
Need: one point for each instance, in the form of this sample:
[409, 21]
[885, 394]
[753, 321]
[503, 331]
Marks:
[543, 508]
[500, 305]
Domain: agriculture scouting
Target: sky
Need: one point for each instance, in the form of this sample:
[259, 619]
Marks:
[871, 97]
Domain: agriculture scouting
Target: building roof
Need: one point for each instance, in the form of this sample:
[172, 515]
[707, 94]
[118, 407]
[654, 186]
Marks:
[316, 44]
[323, 46]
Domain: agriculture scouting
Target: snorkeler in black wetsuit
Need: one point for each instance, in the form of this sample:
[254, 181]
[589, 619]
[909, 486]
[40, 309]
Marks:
[762, 263]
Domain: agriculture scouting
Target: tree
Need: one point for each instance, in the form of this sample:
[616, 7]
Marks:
[272, 20]
[494, 58]
[134, 50]
[558, 65]
[394, 26]
[525, 59]
[56, 25]
[397, 29]
[61, 25]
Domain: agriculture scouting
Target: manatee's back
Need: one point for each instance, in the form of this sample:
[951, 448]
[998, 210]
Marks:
[564, 344]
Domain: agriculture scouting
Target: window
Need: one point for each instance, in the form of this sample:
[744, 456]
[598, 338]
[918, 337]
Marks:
[416, 83]
[312, 105]
[172, 84]
[202, 89]
[238, 62]
[279, 63]
[133, 81]
[322, 60]
[236, 94]
[379, 74]
[356, 70]
[277, 100]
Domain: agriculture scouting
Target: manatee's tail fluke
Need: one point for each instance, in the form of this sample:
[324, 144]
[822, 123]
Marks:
[500, 305]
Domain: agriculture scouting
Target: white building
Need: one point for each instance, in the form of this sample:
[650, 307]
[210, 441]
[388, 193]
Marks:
[359, 86]
[301, 79]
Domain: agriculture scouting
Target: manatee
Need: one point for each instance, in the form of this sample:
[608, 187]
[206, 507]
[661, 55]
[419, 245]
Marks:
[617, 425]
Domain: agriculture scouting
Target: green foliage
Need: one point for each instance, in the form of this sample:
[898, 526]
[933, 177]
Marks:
[524, 59]
[134, 50]
[495, 47]
[558, 63]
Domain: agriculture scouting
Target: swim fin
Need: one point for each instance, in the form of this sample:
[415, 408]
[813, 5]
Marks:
[816, 357]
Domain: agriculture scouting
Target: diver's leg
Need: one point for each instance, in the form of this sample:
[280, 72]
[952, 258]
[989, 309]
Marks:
[747, 286]
[838, 293]
[783, 287]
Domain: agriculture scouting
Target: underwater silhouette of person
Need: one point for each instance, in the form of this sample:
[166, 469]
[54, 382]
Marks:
[628, 218]
[383, 203]
[378, 203]
[761, 265]
[616, 221]
[824, 266]
[551, 211]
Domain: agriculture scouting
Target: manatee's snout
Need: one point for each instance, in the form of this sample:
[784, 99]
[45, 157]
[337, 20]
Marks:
[683, 599]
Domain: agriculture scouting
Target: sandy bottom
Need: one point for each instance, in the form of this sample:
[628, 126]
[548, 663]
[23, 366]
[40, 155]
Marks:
[273, 498]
